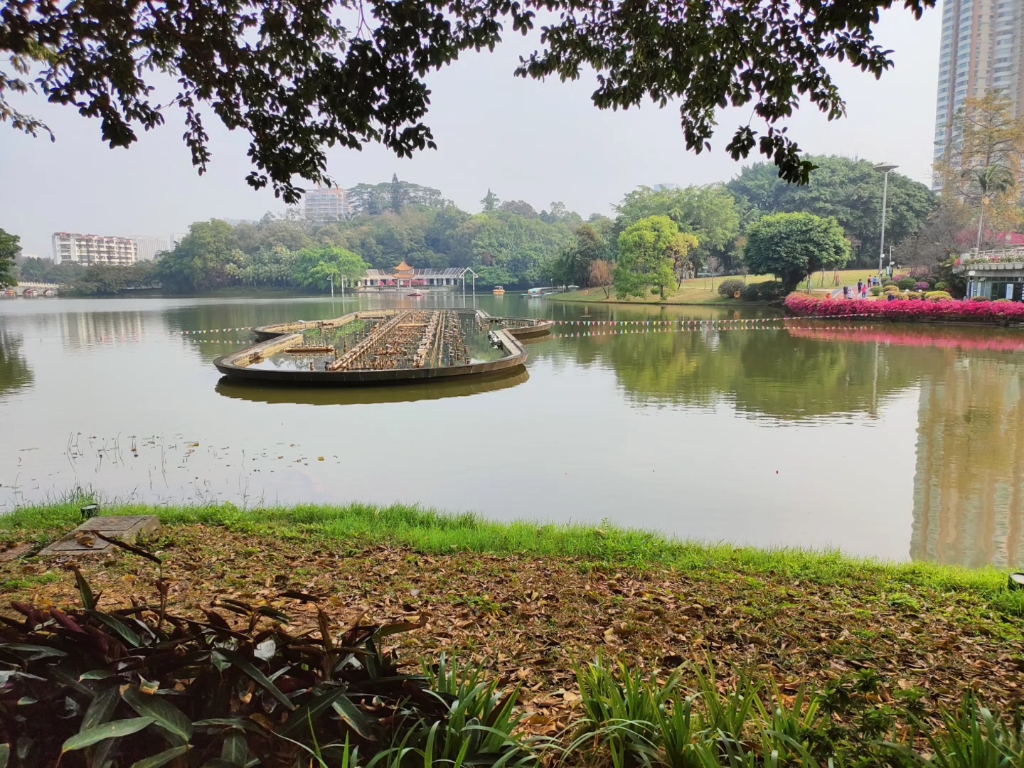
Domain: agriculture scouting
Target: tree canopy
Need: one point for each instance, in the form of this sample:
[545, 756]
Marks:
[983, 166]
[648, 252]
[292, 75]
[10, 247]
[792, 245]
[707, 212]
[318, 267]
[849, 191]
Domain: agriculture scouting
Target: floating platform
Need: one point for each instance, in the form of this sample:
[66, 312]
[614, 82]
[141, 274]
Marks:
[384, 347]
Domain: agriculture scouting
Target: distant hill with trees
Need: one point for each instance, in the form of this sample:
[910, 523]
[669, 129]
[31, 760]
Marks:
[511, 243]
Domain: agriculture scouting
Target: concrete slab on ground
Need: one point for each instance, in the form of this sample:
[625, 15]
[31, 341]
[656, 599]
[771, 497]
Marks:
[13, 553]
[84, 541]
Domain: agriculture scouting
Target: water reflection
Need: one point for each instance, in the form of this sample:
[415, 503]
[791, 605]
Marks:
[898, 441]
[968, 506]
[428, 390]
[15, 372]
[766, 374]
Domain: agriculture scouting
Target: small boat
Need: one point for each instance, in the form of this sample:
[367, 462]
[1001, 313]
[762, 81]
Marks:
[30, 293]
[498, 291]
[415, 295]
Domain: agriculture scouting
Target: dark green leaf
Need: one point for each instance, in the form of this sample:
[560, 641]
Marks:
[273, 613]
[96, 674]
[126, 633]
[5, 755]
[114, 730]
[215, 723]
[310, 712]
[235, 750]
[161, 759]
[261, 679]
[354, 716]
[397, 627]
[100, 709]
[88, 599]
[167, 716]
[40, 651]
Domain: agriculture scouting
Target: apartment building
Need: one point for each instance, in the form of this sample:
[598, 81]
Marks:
[148, 246]
[94, 249]
[325, 205]
[981, 51]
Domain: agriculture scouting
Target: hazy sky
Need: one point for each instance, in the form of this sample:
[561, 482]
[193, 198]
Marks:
[529, 140]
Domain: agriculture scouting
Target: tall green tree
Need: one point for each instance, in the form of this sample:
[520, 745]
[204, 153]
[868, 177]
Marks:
[10, 247]
[708, 212]
[647, 256]
[792, 245]
[846, 189]
[572, 265]
[317, 267]
[298, 80]
[206, 259]
[489, 202]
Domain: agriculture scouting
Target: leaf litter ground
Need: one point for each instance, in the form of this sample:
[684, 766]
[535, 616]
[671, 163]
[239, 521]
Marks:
[530, 618]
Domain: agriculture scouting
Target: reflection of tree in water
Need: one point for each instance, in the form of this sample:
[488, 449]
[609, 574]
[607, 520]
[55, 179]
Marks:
[14, 370]
[968, 495]
[768, 373]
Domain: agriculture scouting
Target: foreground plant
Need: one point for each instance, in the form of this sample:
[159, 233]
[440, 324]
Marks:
[632, 719]
[141, 687]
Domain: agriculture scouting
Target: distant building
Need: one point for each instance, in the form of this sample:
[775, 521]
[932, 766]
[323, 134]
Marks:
[405, 276]
[148, 246]
[94, 249]
[177, 237]
[982, 50]
[326, 205]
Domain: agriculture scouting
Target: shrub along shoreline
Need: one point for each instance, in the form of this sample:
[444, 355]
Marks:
[878, 649]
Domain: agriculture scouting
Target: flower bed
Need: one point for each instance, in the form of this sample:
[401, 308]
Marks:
[913, 309]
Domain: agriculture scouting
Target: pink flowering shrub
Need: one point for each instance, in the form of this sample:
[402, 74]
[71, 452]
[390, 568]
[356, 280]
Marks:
[912, 309]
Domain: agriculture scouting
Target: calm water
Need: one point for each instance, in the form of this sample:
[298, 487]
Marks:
[895, 441]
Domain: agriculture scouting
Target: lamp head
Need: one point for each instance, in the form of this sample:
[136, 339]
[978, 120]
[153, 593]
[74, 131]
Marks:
[885, 167]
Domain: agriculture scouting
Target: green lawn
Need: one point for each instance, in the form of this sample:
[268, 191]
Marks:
[704, 290]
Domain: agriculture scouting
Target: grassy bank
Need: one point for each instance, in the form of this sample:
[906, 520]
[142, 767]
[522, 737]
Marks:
[704, 290]
[528, 601]
[438, 533]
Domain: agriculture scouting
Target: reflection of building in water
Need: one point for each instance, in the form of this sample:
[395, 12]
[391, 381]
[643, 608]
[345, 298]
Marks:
[968, 503]
[85, 328]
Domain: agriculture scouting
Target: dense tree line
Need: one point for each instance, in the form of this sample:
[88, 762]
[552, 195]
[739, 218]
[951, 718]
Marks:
[702, 228]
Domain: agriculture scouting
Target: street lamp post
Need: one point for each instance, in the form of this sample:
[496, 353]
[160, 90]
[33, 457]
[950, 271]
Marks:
[884, 168]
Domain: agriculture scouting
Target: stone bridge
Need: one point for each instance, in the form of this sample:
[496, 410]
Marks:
[41, 289]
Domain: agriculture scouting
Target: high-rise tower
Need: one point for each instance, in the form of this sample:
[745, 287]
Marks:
[981, 51]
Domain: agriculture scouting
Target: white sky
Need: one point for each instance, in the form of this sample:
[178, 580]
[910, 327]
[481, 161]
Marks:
[530, 140]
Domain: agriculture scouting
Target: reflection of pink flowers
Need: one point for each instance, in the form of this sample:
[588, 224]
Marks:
[912, 309]
[910, 338]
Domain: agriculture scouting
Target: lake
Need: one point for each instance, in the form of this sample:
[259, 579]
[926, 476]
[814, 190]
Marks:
[900, 442]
